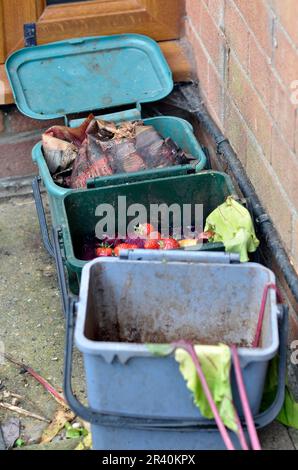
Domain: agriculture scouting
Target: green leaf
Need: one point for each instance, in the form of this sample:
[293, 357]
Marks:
[19, 443]
[216, 363]
[288, 414]
[160, 349]
[232, 225]
[73, 433]
[84, 432]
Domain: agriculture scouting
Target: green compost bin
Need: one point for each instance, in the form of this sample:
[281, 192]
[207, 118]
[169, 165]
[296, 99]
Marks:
[111, 76]
[177, 129]
[208, 188]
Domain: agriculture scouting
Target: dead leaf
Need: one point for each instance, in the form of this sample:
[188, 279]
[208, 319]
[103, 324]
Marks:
[61, 417]
[11, 432]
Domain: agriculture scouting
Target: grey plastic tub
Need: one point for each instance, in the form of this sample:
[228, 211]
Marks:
[149, 297]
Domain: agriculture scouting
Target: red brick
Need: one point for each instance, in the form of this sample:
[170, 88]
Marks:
[193, 11]
[15, 158]
[235, 130]
[260, 71]
[237, 33]
[285, 59]
[215, 93]
[295, 242]
[17, 122]
[283, 112]
[296, 134]
[286, 11]
[212, 38]
[270, 192]
[200, 57]
[260, 20]
[238, 85]
[285, 165]
[216, 9]
[249, 105]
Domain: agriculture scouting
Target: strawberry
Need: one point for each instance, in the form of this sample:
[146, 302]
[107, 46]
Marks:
[154, 236]
[147, 231]
[168, 244]
[125, 246]
[103, 251]
[151, 244]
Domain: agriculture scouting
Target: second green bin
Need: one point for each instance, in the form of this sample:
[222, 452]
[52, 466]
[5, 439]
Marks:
[208, 188]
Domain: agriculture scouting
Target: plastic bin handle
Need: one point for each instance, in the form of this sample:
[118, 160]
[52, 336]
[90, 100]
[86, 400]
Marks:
[160, 423]
[65, 297]
[41, 216]
[269, 415]
[187, 256]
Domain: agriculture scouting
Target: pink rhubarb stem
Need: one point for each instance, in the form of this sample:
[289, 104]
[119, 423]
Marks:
[257, 338]
[241, 435]
[221, 427]
[46, 385]
[255, 443]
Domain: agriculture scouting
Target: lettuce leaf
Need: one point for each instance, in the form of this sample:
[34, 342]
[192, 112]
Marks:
[232, 225]
[216, 364]
[288, 414]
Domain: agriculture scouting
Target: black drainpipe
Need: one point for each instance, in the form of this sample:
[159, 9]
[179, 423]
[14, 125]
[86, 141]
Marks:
[189, 94]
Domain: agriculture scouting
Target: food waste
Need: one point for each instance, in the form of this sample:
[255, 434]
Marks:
[101, 148]
[145, 236]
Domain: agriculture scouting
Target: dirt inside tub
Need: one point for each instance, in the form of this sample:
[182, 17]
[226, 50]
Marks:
[162, 302]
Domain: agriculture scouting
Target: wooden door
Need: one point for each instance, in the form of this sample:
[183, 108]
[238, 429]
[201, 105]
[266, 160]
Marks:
[160, 19]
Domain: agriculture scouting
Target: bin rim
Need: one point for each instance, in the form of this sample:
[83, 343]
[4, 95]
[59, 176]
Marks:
[125, 351]
[39, 160]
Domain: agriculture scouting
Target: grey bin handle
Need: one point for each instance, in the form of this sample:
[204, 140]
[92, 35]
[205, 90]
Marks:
[146, 422]
[41, 216]
[63, 285]
[180, 255]
[167, 424]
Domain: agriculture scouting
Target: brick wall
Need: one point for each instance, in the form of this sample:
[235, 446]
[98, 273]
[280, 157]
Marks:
[247, 62]
[18, 134]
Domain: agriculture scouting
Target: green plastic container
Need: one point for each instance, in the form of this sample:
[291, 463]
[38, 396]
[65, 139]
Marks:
[178, 129]
[79, 220]
[102, 75]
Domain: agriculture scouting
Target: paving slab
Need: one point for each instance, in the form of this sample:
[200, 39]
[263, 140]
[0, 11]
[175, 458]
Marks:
[32, 324]
[294, 436]
[276, 437]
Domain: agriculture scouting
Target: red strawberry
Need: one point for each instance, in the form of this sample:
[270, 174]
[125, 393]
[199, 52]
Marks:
[103, 251]
[125, 246]
[151, 244]
[154, 236]
[145, 230]
[168, 244]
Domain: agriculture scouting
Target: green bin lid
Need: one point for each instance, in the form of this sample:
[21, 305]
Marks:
[84, 74]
